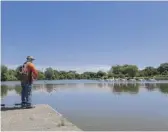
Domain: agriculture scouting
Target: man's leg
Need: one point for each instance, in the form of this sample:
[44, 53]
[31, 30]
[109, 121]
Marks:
[29, 94]
[23, 94]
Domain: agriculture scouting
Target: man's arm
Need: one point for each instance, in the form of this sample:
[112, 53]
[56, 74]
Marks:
[33, 69]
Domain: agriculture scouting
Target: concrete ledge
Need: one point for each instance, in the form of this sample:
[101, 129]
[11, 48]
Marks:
[41, 118]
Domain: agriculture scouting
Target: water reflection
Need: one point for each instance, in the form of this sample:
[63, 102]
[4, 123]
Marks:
[151, 86]
[4, 90]
[88, 105]
[115, 88]
[18, 89]
[163, 88]
[100, 85]
[49, 88]
[126, 88]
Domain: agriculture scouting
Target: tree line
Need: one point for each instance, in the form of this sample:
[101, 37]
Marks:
[117, 71]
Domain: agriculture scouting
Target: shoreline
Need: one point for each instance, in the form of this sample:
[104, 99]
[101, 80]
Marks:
[41, 118]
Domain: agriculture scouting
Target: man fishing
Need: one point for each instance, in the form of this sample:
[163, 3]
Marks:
[28, 75]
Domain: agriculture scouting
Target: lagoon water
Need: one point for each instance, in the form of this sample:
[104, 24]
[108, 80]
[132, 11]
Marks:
[93, 105]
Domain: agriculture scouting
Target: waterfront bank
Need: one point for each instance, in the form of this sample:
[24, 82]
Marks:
[41, 118]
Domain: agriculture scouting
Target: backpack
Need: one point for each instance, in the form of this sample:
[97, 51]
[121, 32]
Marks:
[23, 72]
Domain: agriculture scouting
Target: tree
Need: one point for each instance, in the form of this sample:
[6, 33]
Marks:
[12, 75]
[116, 69]
[4, 73]
[18, 75]
[71, 75]
[41, 75]
[124, 70]
[62, 75]
[163, 69]
[77, 76]
[150, 71]
[130, 70]
[49, 73]
[141, 73]
[56, 74]
[7, 74]
[101, 74]
[110, 75]
[85, 75]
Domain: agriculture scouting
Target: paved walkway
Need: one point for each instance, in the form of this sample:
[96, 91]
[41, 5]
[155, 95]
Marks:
[40, 118]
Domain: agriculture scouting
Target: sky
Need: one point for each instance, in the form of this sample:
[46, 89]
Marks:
[84, 35]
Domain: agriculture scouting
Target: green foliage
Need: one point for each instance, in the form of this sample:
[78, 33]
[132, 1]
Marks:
[130, 70]
[49, 73]
[123, 71]
[163, 69]
[4, 73]
[7, 74]
[150, 71]
[41, 75]
[117, 71]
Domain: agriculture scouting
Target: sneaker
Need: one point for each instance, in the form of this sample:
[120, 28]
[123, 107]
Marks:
[29, 105]
[23, 104]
